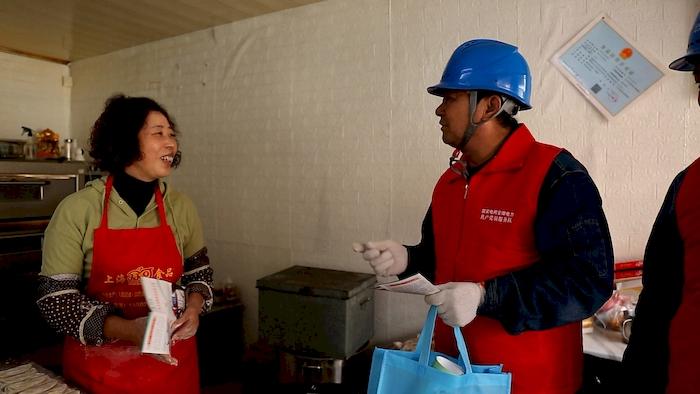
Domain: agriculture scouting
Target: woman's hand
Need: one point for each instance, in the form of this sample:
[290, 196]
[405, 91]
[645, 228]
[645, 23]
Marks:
[186, 326]
[128, 330]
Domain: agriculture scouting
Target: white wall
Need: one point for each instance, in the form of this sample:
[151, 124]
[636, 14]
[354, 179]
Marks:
[32, 94]
[306, 130]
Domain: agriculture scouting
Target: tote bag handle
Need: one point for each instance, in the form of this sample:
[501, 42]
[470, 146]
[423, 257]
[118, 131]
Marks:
[426, 337]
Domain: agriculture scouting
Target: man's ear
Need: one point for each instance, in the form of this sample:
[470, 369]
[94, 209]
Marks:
[487, 108]
[493, 104]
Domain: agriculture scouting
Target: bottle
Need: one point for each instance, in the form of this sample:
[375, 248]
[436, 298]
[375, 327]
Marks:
[29, 144]
[229, 292]
[70, 147]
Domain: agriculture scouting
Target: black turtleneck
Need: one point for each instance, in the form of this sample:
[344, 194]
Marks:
[135, 192]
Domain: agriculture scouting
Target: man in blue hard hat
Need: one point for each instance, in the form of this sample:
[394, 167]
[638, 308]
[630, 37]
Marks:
[664, 345]
[515, 236]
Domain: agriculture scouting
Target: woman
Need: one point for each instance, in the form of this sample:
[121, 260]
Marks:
[103, 238]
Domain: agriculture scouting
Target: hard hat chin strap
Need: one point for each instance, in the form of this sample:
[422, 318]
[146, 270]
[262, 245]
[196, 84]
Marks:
[507, 105]
[471, 129]
[460, 166]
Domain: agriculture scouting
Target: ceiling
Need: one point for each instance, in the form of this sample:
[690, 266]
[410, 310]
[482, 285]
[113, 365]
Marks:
[67, 30]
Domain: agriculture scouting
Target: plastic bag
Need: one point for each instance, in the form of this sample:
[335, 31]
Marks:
[615, 311]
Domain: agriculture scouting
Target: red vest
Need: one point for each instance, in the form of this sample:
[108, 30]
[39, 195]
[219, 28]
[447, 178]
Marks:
[484, 229]
[684, 341]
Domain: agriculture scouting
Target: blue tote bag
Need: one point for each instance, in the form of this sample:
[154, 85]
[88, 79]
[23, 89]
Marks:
[399, 372]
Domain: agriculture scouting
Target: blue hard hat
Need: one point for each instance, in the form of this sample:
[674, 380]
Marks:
[487, 65]
[683, 64]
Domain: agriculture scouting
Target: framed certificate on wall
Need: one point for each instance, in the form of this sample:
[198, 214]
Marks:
[607, 67]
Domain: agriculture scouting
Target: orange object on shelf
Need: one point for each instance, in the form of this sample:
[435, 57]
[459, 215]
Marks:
[47, 144]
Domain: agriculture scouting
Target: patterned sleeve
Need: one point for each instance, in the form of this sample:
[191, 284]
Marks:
[197, 277]
[70, 312]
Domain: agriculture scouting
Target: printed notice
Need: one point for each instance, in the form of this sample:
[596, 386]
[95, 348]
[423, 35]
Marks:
[606, 67]
[158, 294]
[416, 284]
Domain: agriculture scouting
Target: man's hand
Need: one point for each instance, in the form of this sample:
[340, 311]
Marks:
[457, 302]
[386, 258]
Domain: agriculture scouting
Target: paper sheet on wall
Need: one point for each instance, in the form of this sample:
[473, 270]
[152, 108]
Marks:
[158, 294]
[607, 67]
[415, 284]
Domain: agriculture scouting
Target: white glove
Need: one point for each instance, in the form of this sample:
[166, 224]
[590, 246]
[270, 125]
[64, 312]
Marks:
[386, 258]
[457, 302]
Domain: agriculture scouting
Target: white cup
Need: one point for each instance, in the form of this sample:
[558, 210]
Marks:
[445, 365]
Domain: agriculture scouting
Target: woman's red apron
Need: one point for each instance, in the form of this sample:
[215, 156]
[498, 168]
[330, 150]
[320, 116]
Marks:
[120, 258]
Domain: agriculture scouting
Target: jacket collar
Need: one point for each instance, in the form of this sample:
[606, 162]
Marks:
[99, 185]
[510, 156]
[114, 198]
[513, 152]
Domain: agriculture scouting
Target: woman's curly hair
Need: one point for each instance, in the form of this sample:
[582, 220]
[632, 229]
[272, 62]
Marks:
[114, 141]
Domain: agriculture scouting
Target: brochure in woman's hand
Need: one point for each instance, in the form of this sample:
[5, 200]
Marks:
[159, 298]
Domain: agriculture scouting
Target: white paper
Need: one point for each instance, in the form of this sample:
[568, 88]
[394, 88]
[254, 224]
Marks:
[156, 339]
[415, 284]
[158, 294]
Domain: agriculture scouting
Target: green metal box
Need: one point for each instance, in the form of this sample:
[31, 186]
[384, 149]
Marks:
[315, 311]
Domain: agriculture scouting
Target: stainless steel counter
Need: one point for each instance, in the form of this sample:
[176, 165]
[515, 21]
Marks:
[43, 167]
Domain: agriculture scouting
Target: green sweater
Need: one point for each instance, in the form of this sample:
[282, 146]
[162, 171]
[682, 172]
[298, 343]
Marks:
[69, 237]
